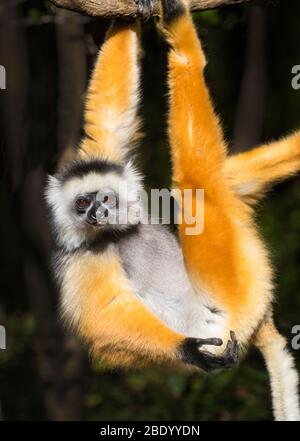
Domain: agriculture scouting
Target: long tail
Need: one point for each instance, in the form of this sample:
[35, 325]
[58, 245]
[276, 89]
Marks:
[283, 375]
[253, 172]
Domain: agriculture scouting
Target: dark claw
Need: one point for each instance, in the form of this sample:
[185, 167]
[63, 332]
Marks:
[144, 9]
[191, 353]
[209, 341]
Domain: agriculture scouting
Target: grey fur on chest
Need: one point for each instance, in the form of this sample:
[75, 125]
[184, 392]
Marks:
[153, 261]
[154, 264]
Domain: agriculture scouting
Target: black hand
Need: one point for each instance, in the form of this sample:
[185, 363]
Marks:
[144, 9]
[192, 354]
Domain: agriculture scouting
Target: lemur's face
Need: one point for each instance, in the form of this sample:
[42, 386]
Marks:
[98, 209]
[89, 198]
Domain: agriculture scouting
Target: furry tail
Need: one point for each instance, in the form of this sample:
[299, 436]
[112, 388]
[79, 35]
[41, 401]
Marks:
[283, 375]
[254, 171]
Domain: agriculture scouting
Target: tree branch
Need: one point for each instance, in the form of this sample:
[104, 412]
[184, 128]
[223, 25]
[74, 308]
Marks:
[128, 8]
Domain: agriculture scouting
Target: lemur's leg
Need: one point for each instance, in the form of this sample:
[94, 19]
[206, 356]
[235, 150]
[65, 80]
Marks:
[111, 121]
[195, 134]
[253, 172]
[118, 325]
[198, 154]
[228, 259]
[283, 375]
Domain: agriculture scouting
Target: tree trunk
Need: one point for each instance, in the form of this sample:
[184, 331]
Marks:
[128, 8]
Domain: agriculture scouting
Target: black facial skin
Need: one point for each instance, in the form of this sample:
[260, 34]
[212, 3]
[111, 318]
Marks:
[91, 215]
[83, 202]
[88, 204]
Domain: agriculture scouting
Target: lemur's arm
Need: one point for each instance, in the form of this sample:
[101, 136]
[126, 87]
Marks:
[119, 327]
[195, 134]
[111, 121]
[228, 260]
[253, 172]
[198, 155]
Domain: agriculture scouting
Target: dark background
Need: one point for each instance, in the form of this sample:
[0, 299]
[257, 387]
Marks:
[48, 56]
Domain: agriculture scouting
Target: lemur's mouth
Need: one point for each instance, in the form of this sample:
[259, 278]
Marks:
[98, 215]
[102, 214]
[91, 217]
[92, 222]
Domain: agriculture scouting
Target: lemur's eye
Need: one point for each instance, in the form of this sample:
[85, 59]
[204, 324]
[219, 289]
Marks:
[82, 203]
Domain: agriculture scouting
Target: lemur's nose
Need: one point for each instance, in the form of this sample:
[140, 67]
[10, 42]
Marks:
[93, 211]
[102, 214]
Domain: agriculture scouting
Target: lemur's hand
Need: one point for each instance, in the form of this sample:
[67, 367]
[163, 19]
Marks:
[192, 354]
[144, 9]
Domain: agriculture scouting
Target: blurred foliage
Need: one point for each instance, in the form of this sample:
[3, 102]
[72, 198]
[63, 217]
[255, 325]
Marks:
[239, 394]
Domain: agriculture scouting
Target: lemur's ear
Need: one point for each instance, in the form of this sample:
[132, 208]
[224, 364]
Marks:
[52, 188]
[133, 177]
[53, 181]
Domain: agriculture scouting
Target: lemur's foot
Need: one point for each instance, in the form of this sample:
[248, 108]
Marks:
[192, 354]
[144, 9]
[172, 9]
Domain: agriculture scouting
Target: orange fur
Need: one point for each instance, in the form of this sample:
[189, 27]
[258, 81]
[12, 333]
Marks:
[110, 117]
[202, 135]
[252, 173]
[112, 318]
[228, 259]
[117, 324]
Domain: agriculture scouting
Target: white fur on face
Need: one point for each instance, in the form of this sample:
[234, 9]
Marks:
[70, 229]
